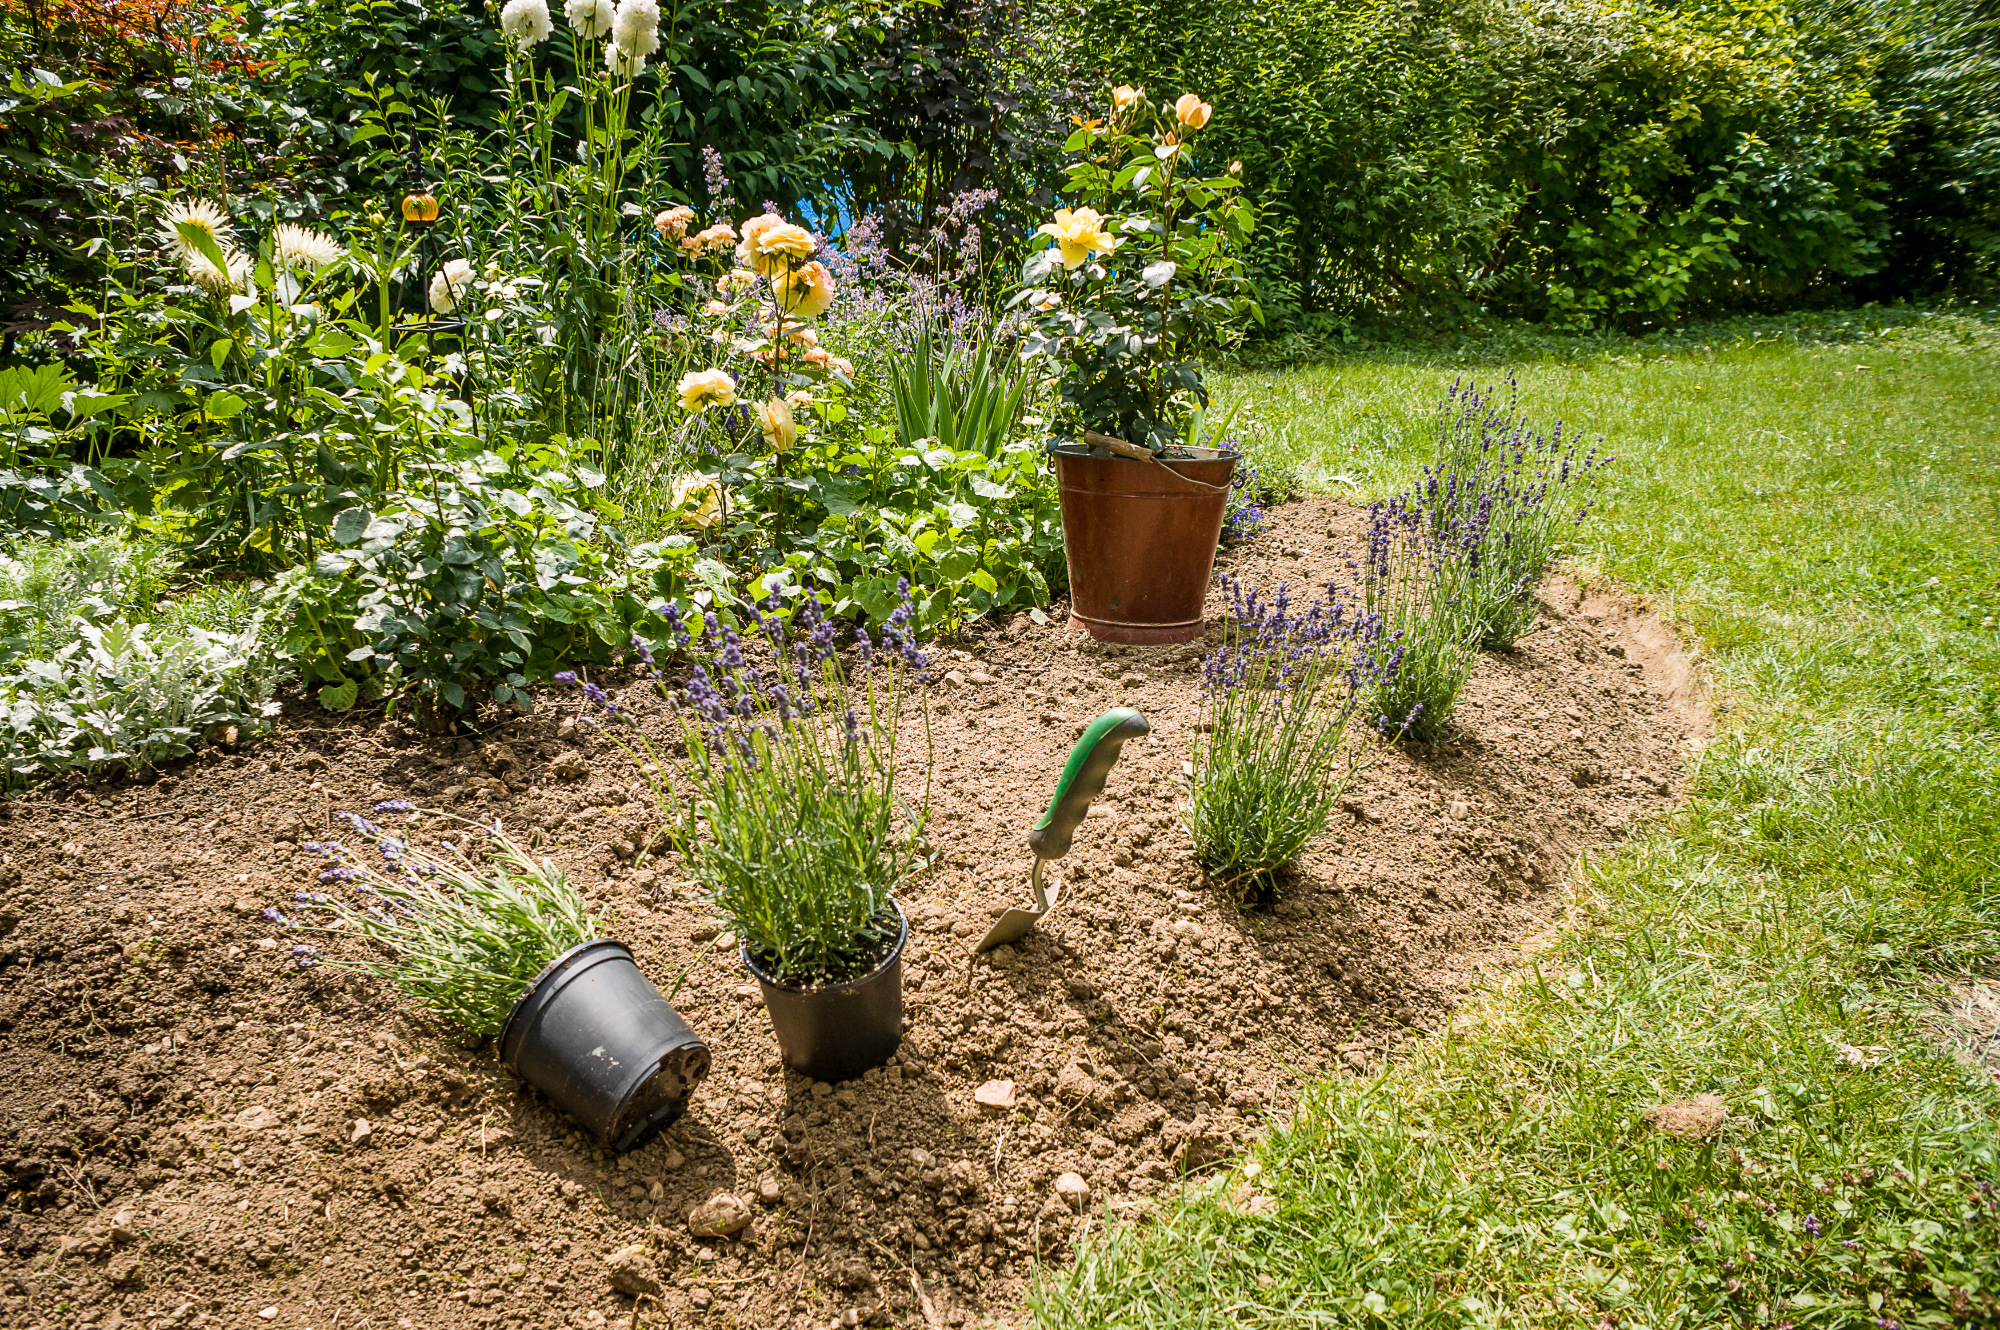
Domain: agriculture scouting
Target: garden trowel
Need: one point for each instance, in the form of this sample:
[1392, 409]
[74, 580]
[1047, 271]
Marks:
[1082, 780]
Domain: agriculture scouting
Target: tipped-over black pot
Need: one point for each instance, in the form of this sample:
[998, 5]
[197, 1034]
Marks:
[595, 1036]
[837, 1032]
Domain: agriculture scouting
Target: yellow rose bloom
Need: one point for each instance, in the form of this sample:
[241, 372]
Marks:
[774, 418]
[698, 498]
[1192, 111]
[703, 388]
[804, 292]
[1078, 234]
[786, 241]
[747, 253]
[1124, 97]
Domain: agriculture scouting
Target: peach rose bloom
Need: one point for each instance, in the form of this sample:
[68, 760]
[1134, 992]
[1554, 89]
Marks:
[1078, 233]
[700, 389]
[804, 292]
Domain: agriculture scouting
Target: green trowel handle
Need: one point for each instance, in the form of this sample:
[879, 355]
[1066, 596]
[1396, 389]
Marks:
[1083, 779]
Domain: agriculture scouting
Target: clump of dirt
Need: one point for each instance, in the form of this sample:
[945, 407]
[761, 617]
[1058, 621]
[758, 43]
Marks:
[1695, 1119]
[1968, 1025]
[200, 1134]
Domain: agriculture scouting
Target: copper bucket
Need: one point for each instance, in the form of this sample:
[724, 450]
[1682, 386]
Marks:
[1140, 538]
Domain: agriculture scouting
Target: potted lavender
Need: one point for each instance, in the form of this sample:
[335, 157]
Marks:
[498, 943]
[794, 823]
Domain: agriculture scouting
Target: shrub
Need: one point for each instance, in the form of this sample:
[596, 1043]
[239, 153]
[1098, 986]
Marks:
[1268, 762]
[1519, 486]
[1143, 271]
[971, 534]
[1600, 161]
[1422, 579]
[464, 941]
[46, 586]
[123, 696]
[99, 670]
[465, 587]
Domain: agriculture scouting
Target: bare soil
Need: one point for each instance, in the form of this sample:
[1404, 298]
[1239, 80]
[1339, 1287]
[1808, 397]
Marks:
[180, 1143]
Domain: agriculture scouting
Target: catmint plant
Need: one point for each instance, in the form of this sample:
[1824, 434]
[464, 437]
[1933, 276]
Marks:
[1244, 518]
[1422, 577]
[460, 937]
[793, 822]
[1269, 764]
[1523, 487]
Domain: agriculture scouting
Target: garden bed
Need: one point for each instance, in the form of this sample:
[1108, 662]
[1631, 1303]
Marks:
[184, 1104]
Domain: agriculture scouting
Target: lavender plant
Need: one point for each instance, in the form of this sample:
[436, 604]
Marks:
[1522, 486]
[1423, 579]
[794, 824]
[1277, 698]
[462, 938]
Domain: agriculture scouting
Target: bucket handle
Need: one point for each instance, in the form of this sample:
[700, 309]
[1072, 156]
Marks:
[1138, 454]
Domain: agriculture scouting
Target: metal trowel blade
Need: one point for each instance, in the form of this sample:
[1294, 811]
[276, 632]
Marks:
[1016, 923]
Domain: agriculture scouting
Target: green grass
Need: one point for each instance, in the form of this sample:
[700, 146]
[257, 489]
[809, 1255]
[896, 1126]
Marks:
[1830, 534]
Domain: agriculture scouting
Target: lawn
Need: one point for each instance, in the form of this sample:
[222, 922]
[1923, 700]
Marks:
[1813, 500]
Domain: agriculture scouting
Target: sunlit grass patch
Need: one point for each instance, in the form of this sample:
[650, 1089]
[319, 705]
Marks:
[1829, 534]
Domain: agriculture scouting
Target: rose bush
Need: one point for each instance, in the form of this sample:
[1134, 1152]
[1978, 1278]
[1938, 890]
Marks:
[1143, 270]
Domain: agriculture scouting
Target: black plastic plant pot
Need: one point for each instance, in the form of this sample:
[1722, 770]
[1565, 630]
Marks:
[595, 1036]
[837, 1032]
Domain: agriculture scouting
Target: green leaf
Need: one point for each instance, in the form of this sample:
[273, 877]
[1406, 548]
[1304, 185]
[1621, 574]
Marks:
[340, 697]
[349, 525]
[197, 238]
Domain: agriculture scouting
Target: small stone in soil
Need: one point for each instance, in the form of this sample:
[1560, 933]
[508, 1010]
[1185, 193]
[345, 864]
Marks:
[719, 1216]
[632, 1272]
[362, 1131]
[1073, 1190]
[995, 1095]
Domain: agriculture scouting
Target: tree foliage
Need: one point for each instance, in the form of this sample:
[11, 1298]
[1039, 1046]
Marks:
[1591, 161]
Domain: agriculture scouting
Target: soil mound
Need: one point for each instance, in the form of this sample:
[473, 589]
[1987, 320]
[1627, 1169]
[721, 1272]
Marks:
[181, 1144]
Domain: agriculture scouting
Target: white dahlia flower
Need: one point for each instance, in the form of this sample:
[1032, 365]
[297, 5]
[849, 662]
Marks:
[591, 18]
[636, 27]
[221, 281]
[303, 247]
[526, 22]
[621, 62]
[198, 213]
